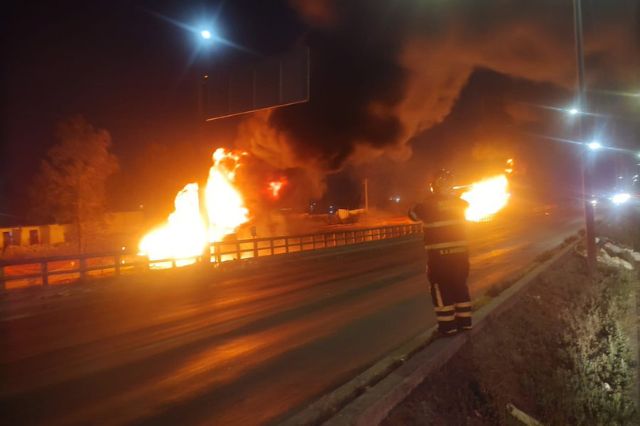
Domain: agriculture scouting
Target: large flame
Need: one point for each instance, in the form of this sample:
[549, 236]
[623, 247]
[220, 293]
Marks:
[224, 203]
[188, 231]
[184, 236]
[486, 198]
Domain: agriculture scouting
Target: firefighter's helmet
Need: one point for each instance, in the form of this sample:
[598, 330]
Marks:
[442, 182]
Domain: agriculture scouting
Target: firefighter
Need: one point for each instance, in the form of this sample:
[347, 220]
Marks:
[443, 216]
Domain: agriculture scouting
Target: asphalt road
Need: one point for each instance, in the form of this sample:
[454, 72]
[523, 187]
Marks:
[247, 346]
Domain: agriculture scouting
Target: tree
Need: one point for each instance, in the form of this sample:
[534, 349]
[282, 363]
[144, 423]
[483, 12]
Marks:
[71, 184]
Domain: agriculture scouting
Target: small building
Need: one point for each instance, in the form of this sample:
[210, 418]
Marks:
[117, 226]
[32, 235]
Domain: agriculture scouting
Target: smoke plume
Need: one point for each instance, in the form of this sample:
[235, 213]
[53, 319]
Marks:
[383, 71]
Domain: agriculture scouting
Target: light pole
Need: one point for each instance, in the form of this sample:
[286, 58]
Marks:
[590, 228]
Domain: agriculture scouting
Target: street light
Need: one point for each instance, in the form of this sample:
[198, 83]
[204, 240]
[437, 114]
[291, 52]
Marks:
[573, 111]
[589, 216]
[205, 34]
[620, 198]
[594, 145]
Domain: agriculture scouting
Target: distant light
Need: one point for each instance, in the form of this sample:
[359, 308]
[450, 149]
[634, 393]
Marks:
[620, 177]
[206, 34]
[620, 198]
[573, 111]
[594, 146]
[594, 202]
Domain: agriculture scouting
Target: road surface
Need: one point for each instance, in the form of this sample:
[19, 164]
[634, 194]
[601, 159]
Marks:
[249, 346]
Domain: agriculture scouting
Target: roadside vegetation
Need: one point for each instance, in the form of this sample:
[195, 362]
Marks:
[71, 184]
[566, 353]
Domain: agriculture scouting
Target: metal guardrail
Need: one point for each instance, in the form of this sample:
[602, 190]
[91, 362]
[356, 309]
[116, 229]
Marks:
[49, 270]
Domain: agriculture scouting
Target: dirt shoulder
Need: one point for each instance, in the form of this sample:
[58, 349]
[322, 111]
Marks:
[564, 354]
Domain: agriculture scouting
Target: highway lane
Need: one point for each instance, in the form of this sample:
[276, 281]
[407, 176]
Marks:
[248, 346]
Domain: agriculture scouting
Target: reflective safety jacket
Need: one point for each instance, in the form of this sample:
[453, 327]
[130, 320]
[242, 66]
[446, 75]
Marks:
[444, 223]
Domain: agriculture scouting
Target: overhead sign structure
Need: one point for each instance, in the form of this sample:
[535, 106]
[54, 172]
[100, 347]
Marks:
[274, 82]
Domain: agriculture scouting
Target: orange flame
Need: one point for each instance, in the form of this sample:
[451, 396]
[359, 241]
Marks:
[183, 237]
[188, 231]
[486, 198]
[509, 169]
[276, 186]
[224, 203]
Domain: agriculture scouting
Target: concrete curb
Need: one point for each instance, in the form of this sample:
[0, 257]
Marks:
[368, 398]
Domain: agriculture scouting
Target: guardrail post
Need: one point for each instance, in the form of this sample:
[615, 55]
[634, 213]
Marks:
[117, 264]
[271, 246]
[238, 253]
[300, 243]
[83, 268]
[286, 244]
[44, 270]
[255, 248]
[216, 253]
[173, 263]
[324, 237]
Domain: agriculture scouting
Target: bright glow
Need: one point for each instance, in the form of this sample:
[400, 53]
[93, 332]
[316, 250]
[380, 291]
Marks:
[573, 111]
[509, 169]
[486, 198]
[205, 34]
[620, 198]
[186, 234]
[183, 237]
[594, 202]
[224, 203]
[594, 146]
[276, 186]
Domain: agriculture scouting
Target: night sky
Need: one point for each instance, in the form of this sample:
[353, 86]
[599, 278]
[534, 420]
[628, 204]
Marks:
[397, 89]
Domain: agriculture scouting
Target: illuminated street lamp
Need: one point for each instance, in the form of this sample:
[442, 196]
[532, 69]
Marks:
[589, 216]
[594, 145]
[620, 198]
[573, 111]
[205, 34]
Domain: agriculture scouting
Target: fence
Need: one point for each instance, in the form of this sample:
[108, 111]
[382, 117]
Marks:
[59, 269]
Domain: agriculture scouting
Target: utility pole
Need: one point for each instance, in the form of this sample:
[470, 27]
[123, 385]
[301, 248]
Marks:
[590, 229]
[366, 194]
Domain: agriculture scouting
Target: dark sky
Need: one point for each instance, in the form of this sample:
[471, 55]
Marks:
[134, 73]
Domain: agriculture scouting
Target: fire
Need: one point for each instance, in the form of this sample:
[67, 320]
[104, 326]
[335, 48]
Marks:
[223, 202]
[188, 231]
[276, 186]
[486, 198]
[509, 169]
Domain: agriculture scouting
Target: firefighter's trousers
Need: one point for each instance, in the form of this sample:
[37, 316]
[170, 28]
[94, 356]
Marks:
[448, 270]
